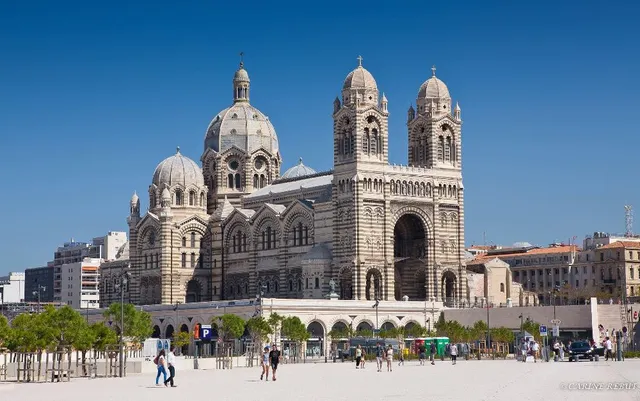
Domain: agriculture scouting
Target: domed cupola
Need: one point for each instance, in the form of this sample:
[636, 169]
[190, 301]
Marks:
[299, 170]
[183, 178]
[433, 96]
[360, 88]
[241, 84]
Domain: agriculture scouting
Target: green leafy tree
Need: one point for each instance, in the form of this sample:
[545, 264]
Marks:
[103, 336]
[5, 331]
[259, 329]
[181, 339]
[229, 326]
[339, 334]
[294, 329]
[29, 333]
[366, 333]
[532, 328]
[66, 326]
[275, 322]
[137, 323]
[502, 335]
[415, 331]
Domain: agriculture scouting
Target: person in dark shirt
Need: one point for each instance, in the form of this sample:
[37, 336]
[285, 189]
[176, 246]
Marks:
[433, 350]
[423, 354]
[274, 358]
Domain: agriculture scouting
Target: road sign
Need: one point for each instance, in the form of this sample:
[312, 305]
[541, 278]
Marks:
[556, 331]
[556, 321]
[205, 332]
[543, 331]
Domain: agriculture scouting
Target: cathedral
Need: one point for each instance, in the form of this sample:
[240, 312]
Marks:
[235, 227]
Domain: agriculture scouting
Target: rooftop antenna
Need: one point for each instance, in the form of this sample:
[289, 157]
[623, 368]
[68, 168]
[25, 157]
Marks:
[628, 219]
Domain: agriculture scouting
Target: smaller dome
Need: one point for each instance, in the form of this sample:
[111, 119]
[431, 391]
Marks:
[299, 170]
[241, 74]
[318, 252]
[434, 88]
[134, 198]
[359, 78]
[178, 169]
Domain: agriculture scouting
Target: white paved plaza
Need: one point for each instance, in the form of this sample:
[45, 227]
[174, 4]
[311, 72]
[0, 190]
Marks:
[470, 380]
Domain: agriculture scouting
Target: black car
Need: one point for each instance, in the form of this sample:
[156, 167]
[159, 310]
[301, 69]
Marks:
[580, 350]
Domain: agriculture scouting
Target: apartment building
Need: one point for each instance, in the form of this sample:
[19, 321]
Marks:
[12, 288]
[38, 284]
[78, 284]
[617, 267]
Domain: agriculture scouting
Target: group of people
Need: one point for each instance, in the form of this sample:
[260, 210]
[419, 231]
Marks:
[166, 362]
[270, 360]
[529, 348]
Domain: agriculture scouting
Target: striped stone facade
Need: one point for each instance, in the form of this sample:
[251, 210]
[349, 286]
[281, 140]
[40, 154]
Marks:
[366, 229]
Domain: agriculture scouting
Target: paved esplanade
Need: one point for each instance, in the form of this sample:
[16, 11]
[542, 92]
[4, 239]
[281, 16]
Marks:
[468, 380]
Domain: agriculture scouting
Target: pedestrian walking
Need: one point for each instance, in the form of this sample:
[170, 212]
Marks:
[453, 352]
[380, 354]
[265, 364]
[358, 356]
[161, 363]
[432, 352]
[274, 358]
[422, 352]
[608, 349]
[171, 362]
[390, 359]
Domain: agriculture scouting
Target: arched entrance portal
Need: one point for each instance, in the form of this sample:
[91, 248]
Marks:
[156, 332]
[193, 291]
[346, 284]
[315, 344]
[410, 244]
[449, 286]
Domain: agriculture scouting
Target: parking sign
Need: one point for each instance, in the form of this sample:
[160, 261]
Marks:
[543, 331]
[205, 332]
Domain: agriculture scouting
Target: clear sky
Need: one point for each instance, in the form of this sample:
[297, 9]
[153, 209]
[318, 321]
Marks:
[93, 95]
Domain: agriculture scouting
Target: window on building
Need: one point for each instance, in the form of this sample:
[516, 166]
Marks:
[179, 198]
[146, 262]
[290, 285]
[586, 282]
[200, 262]
[184, 241]
[317, 283]
[584, 269]
[602, 256]
[275, 287]
[577, 283]
[192, 198]
[306, 283]
[230, 181]
[631, 273]
[235, 245]
[501, 287]
[244, 242]
[184, 260]
[193, 259]
[193, 239]
[238, 182]
[264, 236]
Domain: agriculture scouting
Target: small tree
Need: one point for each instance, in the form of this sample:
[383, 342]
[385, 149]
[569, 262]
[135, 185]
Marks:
[415, 331]
[275, 322]
[5, 330]
[181, 339]
[229, 326]
[103, 336]
[259, 329]
[137, 323]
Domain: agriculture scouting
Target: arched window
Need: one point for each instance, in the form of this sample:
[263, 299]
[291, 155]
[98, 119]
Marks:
[244, 242]
[179, 198]
[192, 198]
[374, 143]
[184, 260]
[255, 181]
[306, 235]
[501, 287]
[365, 141]
[268, 287]
[193, 259]
[193, 239]
[317, 283]
[264, 237]
[295, 236]
[146, 262]
[447, 150]
[263, 181]
[238, 182]
[275, 287]
[290, 285]
[184, 241]
[235, 245]
[440, 149]
[201, 198]
[299, 285]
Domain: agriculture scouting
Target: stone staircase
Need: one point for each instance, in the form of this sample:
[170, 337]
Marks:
[611, 317]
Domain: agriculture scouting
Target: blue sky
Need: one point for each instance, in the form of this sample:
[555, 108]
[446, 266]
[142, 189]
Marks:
[93, 95]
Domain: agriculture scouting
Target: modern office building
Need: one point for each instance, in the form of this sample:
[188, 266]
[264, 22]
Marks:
[38, 284]
[12, 288]
[79, 284]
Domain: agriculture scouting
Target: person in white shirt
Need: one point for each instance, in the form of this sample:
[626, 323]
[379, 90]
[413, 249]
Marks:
[171, 362]
[608, 348]
[453, 351]
[535, 347]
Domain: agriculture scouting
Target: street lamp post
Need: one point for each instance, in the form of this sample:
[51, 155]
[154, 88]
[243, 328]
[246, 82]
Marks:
[433, 311]
[521, 317]
[376, 307]
[124, 277]
[488, 325]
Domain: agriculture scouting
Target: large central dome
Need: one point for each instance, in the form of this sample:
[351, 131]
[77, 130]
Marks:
[241, 125]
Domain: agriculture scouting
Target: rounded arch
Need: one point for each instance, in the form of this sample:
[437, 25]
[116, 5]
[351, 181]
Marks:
[410, 325]
[373, 284]
[387, 325]
[184, 328]
[266, 220]
[316, 329]
[193, 291]
[364, 325]
[236, 223]
[345, 282]
[145, 232]
[340, 325]
[156, 331]
[449, 286]
[168, 331]
[194, 225]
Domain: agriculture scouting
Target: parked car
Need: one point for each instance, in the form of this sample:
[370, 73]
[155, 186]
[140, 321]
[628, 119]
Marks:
[581, 350]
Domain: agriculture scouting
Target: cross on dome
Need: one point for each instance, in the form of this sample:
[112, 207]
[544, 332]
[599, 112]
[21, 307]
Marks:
[359, 61]
[177, 150]
[241, 59]
[433, 70]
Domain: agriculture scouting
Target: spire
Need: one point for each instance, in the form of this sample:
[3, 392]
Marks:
[177, 150]
[300, 161]
[384, 102]
[241, 83]
[433, 71]
[457, 112]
